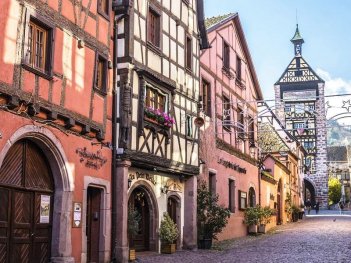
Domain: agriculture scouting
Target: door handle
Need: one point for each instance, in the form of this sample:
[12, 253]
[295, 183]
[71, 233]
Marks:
[32, 235]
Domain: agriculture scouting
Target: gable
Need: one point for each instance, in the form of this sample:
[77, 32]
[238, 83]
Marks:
[298, 71]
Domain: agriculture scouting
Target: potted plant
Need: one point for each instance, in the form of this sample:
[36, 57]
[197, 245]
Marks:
[295, 213]
[266, 214]
[133, 227]
[251, 218]
[211, 217]
[168, 235]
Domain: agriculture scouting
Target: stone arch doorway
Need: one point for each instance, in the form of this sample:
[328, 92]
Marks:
[279, 202]
[50, 147]
[26, 207]
[252, 197]
[174, 211]
[142, 200]
[309, 191]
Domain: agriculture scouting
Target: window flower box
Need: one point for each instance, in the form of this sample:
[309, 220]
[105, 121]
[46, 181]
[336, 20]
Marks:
[157, 117]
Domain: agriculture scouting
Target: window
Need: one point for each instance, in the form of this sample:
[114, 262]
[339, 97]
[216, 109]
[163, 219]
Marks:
[154, 28]
[212, 183]
[155, 99]
[206, 97]
[231, 196]
[308, 145]
[242, 200]
[188, 51]
[252, 197]
[103, 8]
[189, 126]
[226, 113]
[251, 131]
[100, 82]
[238, 68]
[38, 48]
[287, 108]
[240, 123]
[299, 108]
[299, 125]
[226, 56]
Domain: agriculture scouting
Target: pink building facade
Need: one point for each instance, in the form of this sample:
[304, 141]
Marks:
[229, 92]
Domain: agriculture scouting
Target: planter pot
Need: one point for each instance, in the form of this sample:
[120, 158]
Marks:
[204, 243]
[132, 255]
[295, 217]
[252, 229]
[168, 248]
[261, 229]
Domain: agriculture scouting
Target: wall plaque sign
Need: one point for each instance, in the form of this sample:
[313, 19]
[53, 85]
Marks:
[146, 176]
[233, 166]
[92, 160]
[77, 214]
[44, 209]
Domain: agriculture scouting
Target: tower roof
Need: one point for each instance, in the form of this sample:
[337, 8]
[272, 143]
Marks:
[297, 37]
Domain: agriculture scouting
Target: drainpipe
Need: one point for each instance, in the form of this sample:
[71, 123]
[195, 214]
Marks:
[115, 135]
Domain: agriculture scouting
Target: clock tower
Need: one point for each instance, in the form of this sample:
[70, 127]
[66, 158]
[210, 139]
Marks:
[299, 102]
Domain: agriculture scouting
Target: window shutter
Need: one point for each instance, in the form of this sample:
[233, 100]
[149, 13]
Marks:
[25, 53]
[209, 106]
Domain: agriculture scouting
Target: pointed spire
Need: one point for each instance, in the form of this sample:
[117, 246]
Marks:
[297, 40]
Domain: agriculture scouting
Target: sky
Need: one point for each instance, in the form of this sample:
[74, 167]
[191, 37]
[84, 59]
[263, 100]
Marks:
[269, 25]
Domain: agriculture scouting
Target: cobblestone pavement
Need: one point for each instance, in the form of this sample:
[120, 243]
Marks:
[314, 239]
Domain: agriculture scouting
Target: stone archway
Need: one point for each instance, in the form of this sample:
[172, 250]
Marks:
[142, 198]
[309, 191]
[61, 248]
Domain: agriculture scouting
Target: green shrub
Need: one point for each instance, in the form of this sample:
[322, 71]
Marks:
[211, 217]
[334, 192]
[168, 230]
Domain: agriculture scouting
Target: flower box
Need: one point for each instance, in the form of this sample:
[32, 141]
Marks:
[157, 117]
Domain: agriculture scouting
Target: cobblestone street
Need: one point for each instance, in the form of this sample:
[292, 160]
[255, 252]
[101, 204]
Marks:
[315, 239]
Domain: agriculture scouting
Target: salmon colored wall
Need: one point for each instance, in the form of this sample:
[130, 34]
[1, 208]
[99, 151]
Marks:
[211, 71]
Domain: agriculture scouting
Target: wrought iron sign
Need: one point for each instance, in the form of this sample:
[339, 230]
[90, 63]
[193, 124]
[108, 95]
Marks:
[146, 176]
[233, 166]
[92, 160]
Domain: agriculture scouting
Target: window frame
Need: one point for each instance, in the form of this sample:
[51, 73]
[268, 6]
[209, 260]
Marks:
[49, 28]
[238, 69]
[212, 182]
[103, 90]
[226, 101]
[226, 56]
[157, 14]
[240, 120]
[231, 195]
[242, 197]
[188, 52]
[189, 126]
[206, 97]
[101, 11]
[158, 93]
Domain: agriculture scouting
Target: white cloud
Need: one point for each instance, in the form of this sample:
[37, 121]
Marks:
[335, 86]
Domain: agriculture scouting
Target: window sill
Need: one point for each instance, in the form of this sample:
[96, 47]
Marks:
[37, 72]
[104, 15]
[154, 48]
[99, 91]
[226, 71]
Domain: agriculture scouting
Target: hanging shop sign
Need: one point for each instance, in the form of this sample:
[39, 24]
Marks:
[92, 160]
[233, 166]
[146, 176]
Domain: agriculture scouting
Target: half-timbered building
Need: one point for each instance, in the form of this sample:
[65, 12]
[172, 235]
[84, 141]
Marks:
[300, 106]
[158, 73]
[55, 115]
[229, 91]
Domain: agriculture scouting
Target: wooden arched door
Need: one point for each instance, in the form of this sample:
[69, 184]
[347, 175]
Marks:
[26, 194]
[173, 210]
[138, 201]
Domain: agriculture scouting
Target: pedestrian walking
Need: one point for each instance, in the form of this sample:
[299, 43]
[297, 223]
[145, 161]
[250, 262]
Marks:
[341, 206]
[308, 205]
[317, 208]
